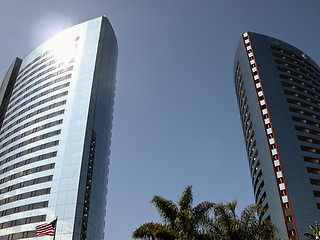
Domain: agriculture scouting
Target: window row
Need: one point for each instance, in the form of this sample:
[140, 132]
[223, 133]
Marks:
[38, 96]
[307, 130]
[247, 127]
[22, 79]
[239, 90]
[311, 159]
[86, 205]
[243, 103]
[27, 172]
[255, 169]
[302, 104]
[237, 74]
[31, 131]
[252, 162]
[32, 62]
[302, 96]
[22, 221]
[25, 195]
[30, 150]
[37, 120]
[296, 57]
[251, 148]
[310, 149]
[250, 136]
[23, 76]
[259, 188]
[23, 208]
[291, 72]
[304, 65]
[306, 121]
[31, 140]
[28, 161]
[245, 113]
[296, 68]
[19, 81]
[239, 86]
[247, 124]
[26, 184]
[263, 197]
[60, 79]
[303, 112]
[237, 79]
[19, 235]
[23, 88]
[304, 86]
[256, 179]
[315, 181]
[44, 109]
[31, 107]
[264, 210]
[314, 171]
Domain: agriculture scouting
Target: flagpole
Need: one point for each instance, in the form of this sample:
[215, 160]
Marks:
[54, 233]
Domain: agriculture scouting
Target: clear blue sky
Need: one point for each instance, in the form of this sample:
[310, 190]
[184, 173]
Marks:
[176, 117]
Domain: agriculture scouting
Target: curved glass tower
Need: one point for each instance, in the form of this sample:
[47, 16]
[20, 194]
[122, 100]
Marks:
[278, 87]
[56, 118]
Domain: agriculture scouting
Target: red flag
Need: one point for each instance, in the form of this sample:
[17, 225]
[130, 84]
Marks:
[46, 228]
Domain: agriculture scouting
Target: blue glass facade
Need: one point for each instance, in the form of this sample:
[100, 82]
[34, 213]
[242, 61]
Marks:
[277, 87]
[55, 136]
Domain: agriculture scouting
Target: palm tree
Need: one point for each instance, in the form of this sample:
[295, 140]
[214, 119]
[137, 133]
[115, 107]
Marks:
[315, 235]
[226, 224]
[153, 231]
[184, 222]
[181, 220]
[249, 226]
[255, 225]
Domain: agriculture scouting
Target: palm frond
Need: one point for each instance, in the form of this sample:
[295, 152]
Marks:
[309, 235]
[146, 231]
[202, 209]
[315, 231]
[186, 199]
[166, 208]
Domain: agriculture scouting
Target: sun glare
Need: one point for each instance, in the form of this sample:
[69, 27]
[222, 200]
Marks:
[61, 43]
[63, 46]
[49, 25]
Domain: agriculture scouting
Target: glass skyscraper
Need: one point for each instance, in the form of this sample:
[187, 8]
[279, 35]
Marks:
[277, 87]
[56, 118]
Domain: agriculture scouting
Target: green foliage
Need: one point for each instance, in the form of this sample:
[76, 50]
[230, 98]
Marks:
[315, 235]
[153, 231]
[206, 221]
[249, 226]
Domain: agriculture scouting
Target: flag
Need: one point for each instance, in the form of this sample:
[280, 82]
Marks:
[46, 228]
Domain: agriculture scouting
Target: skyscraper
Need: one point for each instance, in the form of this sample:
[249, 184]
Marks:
[56, 118]
[277, 88]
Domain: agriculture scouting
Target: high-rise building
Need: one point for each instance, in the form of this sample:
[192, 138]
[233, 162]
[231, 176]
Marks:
[56, 118]
[277, 87]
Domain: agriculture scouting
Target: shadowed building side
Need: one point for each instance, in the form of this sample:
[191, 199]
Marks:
[7, 86]
[277, 88]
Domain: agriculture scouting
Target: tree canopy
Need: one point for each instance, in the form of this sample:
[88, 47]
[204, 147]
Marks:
[207, 220]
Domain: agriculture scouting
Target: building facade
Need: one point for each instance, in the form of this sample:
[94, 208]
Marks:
[56, 118]
[277, 88]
